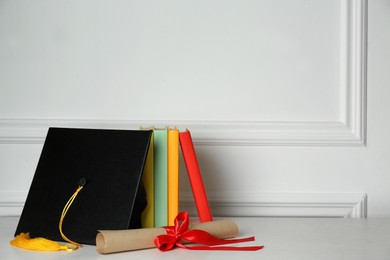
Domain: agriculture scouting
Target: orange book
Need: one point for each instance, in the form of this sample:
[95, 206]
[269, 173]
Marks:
[195, 176]
[173, 175]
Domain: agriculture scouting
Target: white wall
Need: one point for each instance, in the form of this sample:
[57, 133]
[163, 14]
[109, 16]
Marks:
[285, 119]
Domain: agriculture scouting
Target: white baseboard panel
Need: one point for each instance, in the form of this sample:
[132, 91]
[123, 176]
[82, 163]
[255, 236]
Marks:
[339, 205]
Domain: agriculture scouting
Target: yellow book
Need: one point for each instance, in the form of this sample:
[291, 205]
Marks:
[147, 217]
[173, 175]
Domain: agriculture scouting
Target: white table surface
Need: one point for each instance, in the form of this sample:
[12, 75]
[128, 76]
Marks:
[283, 238]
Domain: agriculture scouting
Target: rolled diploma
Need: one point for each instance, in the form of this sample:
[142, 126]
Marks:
[112, 241]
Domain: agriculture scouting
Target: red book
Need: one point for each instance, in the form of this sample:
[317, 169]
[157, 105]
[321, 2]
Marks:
[193, 170]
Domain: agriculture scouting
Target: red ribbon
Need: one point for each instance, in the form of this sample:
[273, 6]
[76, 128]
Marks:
[179, 232]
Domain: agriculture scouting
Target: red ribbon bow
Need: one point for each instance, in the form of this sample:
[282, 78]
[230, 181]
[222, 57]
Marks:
[179, 232]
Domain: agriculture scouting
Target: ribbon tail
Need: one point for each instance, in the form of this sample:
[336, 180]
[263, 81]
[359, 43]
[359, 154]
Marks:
[204, 238]
[211, 242]
[225, 248]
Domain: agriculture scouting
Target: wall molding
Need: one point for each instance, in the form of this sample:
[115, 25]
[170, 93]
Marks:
[240, 204]
[353, 64]
[33, 131]
[340, 205]
[11, 203]
[348, 130]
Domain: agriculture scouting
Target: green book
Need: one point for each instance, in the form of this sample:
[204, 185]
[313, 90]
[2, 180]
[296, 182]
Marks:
[160, 177]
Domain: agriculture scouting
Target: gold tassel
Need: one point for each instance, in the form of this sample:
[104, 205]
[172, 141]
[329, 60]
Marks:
[38, 244]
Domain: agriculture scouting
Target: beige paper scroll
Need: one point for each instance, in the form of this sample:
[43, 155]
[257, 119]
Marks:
[112, 241]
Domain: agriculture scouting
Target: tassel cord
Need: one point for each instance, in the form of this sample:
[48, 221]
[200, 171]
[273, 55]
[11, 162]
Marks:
[64, 211]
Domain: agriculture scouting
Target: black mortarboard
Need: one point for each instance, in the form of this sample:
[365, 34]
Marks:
[111, 162]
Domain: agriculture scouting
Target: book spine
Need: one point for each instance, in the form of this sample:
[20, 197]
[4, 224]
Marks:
[195, 176]
[173, 175]
[160, 177]
[147, 217]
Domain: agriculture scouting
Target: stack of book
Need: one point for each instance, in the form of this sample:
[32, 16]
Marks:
[161, 178]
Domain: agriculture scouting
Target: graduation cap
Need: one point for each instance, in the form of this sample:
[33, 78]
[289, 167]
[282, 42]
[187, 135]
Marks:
[108, 164]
